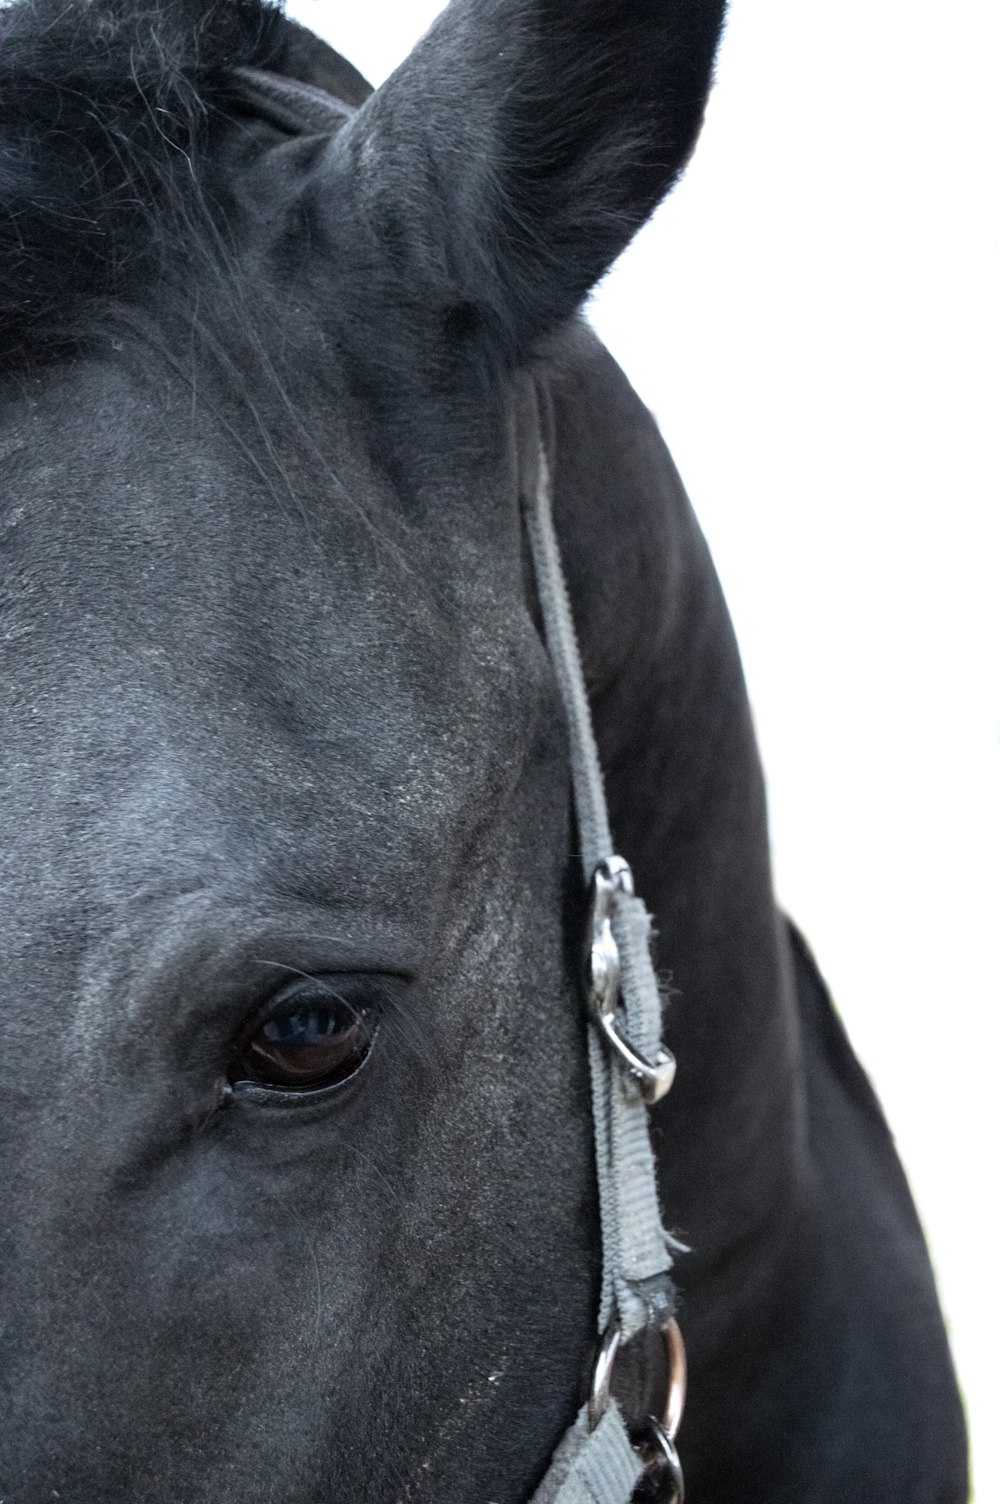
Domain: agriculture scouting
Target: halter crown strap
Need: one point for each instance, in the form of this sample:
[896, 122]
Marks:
[597, 1462]
[289, 103]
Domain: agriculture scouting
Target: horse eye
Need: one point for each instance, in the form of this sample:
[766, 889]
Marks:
[313, 1037]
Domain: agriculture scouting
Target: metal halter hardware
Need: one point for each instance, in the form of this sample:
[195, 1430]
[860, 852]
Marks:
[600, 1394]
[654, 1439]
[655, 1078]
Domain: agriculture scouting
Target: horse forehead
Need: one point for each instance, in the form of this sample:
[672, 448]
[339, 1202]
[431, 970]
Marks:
[202, 676]
[186, 536]
[306, 696]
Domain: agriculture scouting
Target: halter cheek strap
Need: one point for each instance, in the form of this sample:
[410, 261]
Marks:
[601, 1459]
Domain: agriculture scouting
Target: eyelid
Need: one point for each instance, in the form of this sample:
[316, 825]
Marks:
[254, 1094]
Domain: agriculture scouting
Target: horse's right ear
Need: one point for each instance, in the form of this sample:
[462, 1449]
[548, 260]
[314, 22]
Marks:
[494, 178]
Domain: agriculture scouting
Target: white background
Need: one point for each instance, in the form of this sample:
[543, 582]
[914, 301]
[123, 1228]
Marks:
[813, 319]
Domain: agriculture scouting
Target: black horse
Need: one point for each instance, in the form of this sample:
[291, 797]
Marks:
[298, 1198]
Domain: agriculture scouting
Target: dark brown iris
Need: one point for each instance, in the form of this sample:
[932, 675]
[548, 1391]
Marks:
[312, 1042]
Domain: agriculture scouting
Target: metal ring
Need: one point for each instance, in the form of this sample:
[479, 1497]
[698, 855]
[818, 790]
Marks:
[661, 1456]
[604, 1367]
[677, 1393]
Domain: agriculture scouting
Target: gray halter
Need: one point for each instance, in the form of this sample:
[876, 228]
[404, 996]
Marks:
[602, 1458]
[599, 1461]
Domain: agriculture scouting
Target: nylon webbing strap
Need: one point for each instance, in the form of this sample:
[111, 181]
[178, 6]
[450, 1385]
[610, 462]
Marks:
[289, 103]
[592, 1467]
[599, 1466]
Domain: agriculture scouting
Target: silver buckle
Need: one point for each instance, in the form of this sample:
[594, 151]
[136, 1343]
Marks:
[655, 1078]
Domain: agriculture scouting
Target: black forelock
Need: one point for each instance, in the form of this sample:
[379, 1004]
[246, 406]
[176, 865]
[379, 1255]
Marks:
[106, 118]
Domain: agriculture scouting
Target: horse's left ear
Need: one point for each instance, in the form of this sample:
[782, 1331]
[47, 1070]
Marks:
[493, 179]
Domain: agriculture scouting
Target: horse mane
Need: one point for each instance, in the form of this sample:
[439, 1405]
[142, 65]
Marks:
[106, 116]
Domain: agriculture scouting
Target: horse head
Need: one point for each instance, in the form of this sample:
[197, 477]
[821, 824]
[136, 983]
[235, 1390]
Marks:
[298, 1183]
[297, 1161]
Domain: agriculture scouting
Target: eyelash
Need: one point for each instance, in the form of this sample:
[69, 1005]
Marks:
[333, 1025]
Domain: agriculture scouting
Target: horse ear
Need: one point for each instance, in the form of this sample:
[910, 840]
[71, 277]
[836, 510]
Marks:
[494, 178]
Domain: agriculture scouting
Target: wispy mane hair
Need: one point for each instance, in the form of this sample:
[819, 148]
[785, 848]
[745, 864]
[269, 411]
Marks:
[106, 115]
